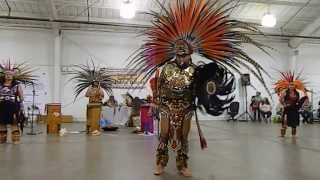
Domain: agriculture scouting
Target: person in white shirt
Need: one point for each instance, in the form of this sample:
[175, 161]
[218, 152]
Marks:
[266, 110]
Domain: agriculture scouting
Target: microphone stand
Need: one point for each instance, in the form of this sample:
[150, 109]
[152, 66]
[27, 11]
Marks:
[32, 111]
[246, 113]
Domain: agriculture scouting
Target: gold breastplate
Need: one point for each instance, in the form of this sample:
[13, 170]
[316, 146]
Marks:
[176, 82]
[178, 79]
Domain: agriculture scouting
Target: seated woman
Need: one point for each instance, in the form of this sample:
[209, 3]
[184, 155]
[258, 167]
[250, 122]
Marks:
[290, 99]
[111, 102]
[106, 123]
[265, 109]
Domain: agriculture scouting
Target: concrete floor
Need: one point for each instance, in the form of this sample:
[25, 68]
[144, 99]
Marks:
[237, 151]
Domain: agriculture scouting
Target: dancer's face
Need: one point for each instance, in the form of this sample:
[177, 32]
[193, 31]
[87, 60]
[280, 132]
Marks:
[182, 48]
[8, 76]
[95, 84]
[291, 87]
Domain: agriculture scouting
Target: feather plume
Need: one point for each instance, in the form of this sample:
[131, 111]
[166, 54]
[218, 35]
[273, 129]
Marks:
[85, 75]
[207, 28]
[22, 72]
[289, 77]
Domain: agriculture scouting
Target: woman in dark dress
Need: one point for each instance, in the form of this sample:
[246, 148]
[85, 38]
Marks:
[291, 118]
[10, 98]
[287, 88]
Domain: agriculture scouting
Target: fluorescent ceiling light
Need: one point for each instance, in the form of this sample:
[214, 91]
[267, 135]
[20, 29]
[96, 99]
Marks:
[127, 9]
[269, 20]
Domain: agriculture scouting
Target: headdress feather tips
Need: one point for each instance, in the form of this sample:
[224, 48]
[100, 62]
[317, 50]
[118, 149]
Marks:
[22, 72]
[85, 75]
[288, 78]
[208, 30]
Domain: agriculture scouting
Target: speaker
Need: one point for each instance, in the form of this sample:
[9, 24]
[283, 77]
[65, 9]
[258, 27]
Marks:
[245, 79]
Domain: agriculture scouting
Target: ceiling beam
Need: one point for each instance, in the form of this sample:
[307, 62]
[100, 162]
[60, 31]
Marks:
[9, 7]
[68, 24]
[274, 2]
[282, 2]
[96, 4]
[25, 1]
[307, 31]
[53, 10]
[41, 19]
[295, 14]
[258, 20]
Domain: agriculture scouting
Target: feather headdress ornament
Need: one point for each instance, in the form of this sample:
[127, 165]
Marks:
[21, 72]
[85, 75]
[205, 26]
[288, 78]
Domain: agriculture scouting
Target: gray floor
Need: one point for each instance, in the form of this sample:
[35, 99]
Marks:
[237, 151]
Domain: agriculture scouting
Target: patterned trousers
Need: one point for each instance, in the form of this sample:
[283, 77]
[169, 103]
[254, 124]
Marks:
[175, 123]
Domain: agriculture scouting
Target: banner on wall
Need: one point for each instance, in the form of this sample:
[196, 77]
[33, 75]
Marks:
[125, 79]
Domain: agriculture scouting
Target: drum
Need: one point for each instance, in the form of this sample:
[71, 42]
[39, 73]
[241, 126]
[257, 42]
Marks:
[93, 117]
[53, 118]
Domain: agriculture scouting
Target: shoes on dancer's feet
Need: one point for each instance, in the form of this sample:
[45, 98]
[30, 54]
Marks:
[96, 133]
[159, 170]
[186, 172]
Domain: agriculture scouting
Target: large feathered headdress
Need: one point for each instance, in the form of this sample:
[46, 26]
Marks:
[85, 75]
[286, 79]
[206, 27]
[21, 72]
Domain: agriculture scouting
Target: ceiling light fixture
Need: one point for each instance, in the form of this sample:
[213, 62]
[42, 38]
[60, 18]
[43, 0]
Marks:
[269, 20]
[127, 9]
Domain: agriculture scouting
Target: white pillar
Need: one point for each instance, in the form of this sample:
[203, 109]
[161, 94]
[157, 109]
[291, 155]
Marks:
[293, 59]
[57, 67]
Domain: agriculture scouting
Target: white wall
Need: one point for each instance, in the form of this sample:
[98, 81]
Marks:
[278, 62]
[108, 49]
[308, 61]
[36, 48]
